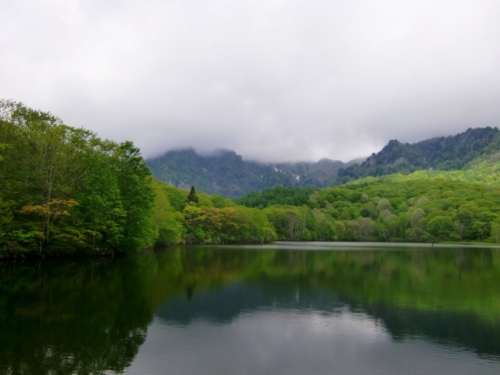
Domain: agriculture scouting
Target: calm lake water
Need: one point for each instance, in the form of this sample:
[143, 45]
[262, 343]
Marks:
[279, 309]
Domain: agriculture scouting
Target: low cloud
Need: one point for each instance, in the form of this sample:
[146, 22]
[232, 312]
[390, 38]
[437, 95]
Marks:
[273, 80]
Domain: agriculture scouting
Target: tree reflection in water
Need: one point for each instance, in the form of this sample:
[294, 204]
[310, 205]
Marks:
[91, 315]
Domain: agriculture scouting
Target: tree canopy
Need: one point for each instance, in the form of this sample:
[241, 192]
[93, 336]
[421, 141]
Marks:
[65, 190]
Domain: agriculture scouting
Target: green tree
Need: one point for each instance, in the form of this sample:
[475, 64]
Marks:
[69, 191]
[440, 228]
[136, 190]
[192, 197]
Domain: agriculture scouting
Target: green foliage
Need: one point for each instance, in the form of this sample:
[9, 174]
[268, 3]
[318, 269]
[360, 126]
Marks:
[226, 225]
[292, 196]
[192, 197]
[213, 220]
[169, 222]
[65, 191]
[395, 209]
[441, 227]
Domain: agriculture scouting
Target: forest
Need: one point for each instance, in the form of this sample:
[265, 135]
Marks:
[65, 191]
[404, 209]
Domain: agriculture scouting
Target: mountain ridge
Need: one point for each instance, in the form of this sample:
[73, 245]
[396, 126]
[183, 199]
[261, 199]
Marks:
[225, 173]
[453, 152]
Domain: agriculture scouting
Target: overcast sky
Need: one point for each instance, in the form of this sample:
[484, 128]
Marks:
[273, 80]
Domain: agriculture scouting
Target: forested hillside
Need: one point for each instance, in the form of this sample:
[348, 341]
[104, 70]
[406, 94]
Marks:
[227, 174]
[397, 209]
[443, 153]
[426, 206]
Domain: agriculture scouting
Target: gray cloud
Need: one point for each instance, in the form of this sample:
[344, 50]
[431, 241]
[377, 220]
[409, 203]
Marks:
[273, 80]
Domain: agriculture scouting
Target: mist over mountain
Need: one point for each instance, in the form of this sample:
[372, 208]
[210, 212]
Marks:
[226, 173]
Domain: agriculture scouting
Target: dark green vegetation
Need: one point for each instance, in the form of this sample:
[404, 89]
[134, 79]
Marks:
[443, 153]
[92, 315]
[64, 191]
[291, 196]
[227, 174]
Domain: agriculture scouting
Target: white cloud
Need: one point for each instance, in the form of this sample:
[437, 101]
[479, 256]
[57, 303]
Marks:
[273, 80]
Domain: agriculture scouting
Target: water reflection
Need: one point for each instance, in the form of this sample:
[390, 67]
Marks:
[226, 305]
[274, 311]
[68, 317]
[284, 341]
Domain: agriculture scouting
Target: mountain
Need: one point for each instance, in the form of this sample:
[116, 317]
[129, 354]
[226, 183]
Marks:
[226, 173]
[441, 153]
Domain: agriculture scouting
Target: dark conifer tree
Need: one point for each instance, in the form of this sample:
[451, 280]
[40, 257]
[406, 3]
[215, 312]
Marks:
[192, 197]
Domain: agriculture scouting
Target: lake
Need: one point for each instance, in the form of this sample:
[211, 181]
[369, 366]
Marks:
[286, 308]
